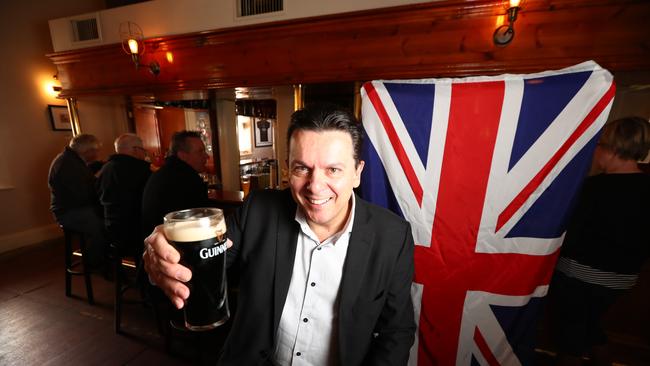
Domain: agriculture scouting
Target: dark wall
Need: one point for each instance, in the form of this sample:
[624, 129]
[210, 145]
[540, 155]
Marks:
[118, 3]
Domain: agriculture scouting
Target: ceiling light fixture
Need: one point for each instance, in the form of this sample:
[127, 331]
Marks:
[133, 44]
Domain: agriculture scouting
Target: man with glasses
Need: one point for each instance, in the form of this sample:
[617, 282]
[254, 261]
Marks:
[120, 186]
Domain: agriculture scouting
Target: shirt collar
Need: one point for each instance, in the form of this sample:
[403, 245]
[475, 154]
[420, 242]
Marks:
[301, 219]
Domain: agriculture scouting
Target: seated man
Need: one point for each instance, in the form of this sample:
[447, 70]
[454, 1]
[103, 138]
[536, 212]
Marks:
[120, 186]
[177, 185]
[73, 198]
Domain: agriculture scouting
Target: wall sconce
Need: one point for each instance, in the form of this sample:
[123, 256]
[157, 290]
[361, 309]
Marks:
[133, 45]
[56, 88]
[505, 33]
[50, 86]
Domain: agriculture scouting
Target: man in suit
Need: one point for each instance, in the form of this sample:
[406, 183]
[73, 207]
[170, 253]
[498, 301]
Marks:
[325, 276]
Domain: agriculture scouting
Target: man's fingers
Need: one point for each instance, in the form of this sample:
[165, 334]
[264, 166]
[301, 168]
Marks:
[158, 269]
[161, 263]
[228, 243]
[175, 271]
[157, 243]
[178, 302]
[175, 291]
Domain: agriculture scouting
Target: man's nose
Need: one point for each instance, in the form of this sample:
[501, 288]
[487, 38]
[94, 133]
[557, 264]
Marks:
[317, 180]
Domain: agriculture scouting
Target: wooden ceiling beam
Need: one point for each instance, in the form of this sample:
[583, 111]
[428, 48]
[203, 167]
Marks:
[438, 39]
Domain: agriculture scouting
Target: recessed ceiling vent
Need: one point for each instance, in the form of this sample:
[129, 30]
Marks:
[246, 8]
[85, 29]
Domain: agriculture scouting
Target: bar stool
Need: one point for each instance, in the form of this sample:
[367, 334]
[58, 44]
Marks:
[128, 271]
[70, 263]
[120, 266]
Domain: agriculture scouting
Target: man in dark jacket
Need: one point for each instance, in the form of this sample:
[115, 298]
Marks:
[325, 275]
[177, 185]
[73, 199]
[120, 186]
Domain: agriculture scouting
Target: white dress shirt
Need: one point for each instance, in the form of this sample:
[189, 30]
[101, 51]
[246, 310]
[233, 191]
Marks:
[308, 329]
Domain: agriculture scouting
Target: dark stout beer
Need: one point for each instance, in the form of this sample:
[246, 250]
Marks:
[199, 235]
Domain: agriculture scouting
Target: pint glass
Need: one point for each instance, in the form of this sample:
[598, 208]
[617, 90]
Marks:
[199, 235]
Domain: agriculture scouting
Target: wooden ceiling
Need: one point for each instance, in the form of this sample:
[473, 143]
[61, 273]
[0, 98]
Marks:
[439, 39]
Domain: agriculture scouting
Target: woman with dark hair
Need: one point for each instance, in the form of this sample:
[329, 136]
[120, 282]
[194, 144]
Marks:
[606, 243]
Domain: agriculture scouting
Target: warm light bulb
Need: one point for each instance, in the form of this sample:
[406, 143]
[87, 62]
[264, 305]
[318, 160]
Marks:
[514, 3]
[133, 46]
[501, 20]
[49, 88]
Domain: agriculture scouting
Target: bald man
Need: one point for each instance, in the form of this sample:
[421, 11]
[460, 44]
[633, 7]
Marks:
[120, 186]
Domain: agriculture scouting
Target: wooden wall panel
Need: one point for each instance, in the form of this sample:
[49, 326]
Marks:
[445, 38]
[146, 126]
[170, 120]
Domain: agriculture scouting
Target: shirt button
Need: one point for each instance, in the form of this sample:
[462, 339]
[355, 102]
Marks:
[298, 353]
[305, 320]
[319, 248]
[313, 284]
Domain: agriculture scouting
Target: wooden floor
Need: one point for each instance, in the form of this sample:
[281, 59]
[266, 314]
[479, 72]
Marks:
[39, 325]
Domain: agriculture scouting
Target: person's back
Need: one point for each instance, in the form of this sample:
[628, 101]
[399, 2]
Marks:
[612, 217]
[606, 243]
[74, 201]
[71, 183]
[121, 185]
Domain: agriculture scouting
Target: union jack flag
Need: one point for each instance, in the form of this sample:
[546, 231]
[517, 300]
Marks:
[486, 170]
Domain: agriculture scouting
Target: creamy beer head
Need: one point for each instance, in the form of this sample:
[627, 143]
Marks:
[196, 224]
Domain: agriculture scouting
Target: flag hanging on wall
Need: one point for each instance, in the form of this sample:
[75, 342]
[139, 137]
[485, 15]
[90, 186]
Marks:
[486, 170]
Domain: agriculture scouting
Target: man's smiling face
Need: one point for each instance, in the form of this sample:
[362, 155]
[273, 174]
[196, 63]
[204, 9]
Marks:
[322, 176]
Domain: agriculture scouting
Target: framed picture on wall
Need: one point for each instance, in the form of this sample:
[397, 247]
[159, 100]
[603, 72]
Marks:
[60, 118]
[263, 132]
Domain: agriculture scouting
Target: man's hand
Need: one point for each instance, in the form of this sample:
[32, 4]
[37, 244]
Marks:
[161, 263]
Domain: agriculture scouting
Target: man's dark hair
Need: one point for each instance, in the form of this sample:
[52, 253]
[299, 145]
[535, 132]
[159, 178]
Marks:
[327, 117]
[628, 137]
[179, 141]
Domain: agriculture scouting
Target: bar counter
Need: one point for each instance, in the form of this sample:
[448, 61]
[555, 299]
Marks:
[228, 201]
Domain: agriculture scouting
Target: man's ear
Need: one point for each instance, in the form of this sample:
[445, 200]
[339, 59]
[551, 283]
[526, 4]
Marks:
[360, 166]
[182, 155]
[358, 171]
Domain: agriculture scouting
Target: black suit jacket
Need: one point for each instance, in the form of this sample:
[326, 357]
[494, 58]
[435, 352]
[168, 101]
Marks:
[120, 186]
[175, 186]
[376, 321]
[72, 184]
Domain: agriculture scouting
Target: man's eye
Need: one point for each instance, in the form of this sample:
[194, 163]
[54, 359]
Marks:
[300, 170]
[334, 170]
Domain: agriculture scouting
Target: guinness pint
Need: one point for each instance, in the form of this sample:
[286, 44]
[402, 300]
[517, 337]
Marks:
[199, 235]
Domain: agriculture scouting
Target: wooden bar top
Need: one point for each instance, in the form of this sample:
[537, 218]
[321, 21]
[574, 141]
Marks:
[228, 197]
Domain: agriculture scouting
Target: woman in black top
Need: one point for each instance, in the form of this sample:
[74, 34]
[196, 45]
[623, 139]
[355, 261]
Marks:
[606, 243]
